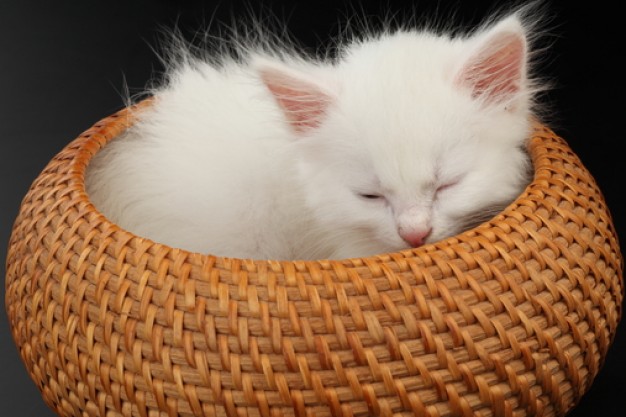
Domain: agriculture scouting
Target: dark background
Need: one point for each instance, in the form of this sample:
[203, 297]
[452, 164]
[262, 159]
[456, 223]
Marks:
[63, 65]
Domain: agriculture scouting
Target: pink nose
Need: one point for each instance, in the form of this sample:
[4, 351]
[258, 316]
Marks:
[415, 238]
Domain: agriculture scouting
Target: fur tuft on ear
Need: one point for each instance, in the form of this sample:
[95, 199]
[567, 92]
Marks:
[495, 70]
[302, 99]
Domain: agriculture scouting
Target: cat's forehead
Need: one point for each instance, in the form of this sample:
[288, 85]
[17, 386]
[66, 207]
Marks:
[404, 101]
[411, 130]
[412, 163]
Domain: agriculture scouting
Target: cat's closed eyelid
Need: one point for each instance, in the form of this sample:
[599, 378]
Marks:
[371, 196]
[446, 186]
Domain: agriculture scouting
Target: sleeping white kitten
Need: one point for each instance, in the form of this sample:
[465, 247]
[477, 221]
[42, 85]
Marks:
[401, 140]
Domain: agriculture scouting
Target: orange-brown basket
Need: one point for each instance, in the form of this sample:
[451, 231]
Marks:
[512, 318]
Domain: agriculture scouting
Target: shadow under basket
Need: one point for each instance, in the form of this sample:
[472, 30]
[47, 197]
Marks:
[512, 318]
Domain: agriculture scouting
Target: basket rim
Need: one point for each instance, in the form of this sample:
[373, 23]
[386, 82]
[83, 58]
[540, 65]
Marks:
[88, 143]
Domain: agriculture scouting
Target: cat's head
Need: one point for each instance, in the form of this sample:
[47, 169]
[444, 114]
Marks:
[410, 137]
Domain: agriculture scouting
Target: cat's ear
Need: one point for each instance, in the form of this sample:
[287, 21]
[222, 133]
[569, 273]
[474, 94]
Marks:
[302, 98]
[495, 68]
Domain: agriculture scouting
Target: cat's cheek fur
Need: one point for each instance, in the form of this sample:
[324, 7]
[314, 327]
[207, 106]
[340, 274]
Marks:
[452, 211]
[351, 227]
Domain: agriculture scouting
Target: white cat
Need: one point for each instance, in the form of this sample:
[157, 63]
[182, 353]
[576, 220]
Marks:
[400, 141]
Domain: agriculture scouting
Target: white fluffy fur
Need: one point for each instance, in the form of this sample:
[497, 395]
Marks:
[405, 134]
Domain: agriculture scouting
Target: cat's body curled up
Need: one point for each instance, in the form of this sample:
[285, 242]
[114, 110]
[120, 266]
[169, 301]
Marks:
[397, 142]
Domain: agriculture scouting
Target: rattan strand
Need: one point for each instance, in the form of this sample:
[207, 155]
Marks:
[512, 318]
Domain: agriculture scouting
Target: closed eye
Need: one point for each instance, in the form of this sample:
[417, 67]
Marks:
[368, 196]
[447, 185]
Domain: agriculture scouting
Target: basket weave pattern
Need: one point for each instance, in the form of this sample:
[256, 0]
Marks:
[512, 318]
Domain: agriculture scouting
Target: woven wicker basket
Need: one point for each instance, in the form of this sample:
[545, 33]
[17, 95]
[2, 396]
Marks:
[513, 318]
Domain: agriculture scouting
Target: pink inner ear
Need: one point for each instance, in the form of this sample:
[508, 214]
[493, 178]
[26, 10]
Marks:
[496, 72]
[303, 103]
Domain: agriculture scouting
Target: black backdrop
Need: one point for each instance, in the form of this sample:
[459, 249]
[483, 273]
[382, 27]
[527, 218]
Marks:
[63, 65]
